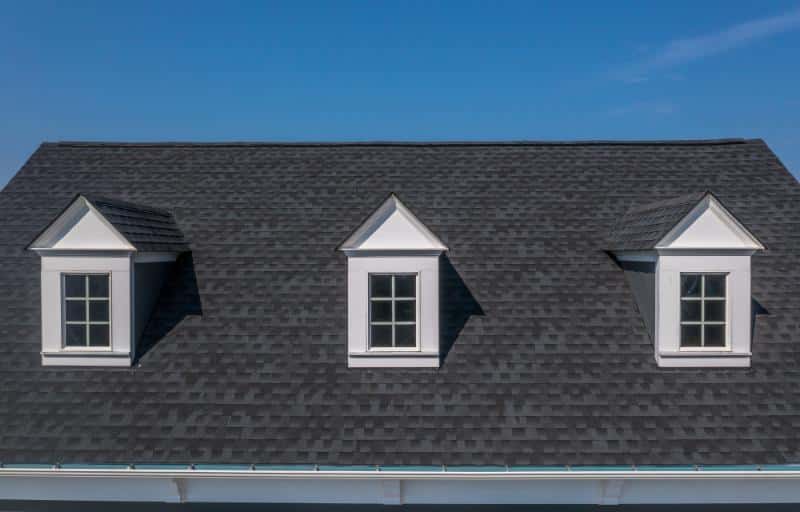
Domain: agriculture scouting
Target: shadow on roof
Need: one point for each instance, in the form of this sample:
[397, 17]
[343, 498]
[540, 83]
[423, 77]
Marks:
[456, 306]
[179, 298]
[756, 310]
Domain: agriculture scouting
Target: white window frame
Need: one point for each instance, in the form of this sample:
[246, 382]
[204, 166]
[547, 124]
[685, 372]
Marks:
[393, 323]
[87, 322]
[702, 323]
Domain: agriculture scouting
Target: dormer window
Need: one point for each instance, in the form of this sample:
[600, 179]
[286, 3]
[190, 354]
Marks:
[393, 311]
[703, 313]
[687, 261]
[392, 290]
[87, 308]
[103, 264]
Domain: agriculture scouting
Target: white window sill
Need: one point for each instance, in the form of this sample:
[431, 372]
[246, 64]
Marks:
[704, 353]
[394, 353]
[98, 358]
[398, 359]
[703, 359]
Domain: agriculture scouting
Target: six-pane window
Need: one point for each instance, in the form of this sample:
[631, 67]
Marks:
[703, 317]
[87, 310]
[393, 310]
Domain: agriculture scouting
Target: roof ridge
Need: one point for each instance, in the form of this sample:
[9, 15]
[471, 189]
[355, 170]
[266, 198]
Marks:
[128, 205]
[379, 143]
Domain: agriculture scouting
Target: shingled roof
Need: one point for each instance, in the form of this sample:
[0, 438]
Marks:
[547, 359]
[643, 226]
[145, 227]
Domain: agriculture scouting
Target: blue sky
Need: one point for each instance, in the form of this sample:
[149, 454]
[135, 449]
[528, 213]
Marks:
[373, 70]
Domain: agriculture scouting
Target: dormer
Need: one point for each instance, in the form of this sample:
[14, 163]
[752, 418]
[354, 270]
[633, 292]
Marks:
[103, 263]
[687, 261]
[393, 290]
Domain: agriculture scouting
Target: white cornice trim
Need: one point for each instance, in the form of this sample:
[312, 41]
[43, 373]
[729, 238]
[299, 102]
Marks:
[694, 474]
[398, 487]
[82, 252]
[709, 203]
[366, 253]
[376, 221]
[68, 219]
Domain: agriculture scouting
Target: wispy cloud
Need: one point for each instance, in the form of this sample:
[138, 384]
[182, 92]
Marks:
[681, 51]
[661, 108]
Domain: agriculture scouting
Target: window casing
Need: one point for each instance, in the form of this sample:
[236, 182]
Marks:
[86, 310]
[703, 311]
[393, 312]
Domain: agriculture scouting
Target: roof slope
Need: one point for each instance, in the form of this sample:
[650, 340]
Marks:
[145, 227]
[548, 359]
[643, 226]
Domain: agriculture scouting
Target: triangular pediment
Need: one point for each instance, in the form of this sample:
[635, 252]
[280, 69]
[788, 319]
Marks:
[81, 227]
[392, 227]
[709, 225]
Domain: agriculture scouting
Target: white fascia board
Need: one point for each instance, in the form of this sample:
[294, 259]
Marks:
[443, 474]
[82, 225]
[709, 226]
[395, 487]
[392, 227]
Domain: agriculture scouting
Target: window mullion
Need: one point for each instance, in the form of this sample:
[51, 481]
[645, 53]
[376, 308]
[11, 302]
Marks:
[394, 342]
[702, 310]
[86, 303]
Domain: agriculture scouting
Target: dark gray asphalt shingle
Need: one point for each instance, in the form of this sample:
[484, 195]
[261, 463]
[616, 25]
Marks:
[145, 227]
[548, 363]
[643, 226]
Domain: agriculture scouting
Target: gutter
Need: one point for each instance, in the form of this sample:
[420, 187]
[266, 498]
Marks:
[395, 485]
[378, 473]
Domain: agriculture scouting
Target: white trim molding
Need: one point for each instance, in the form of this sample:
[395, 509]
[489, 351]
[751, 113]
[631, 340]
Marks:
[392, 227]
[81, 227]
[736, 266]
[426, 353]
[710, 226]
[502, 486]
[120, 270]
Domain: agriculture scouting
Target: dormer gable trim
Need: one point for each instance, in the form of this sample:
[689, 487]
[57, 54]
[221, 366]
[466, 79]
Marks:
[709, 226]
[81, 227]
[392, 227]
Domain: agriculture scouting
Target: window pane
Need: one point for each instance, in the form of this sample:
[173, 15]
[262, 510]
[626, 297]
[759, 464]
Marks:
[75, 310]
[405, 311]
[690, 335]
[98, 335]
[98, 311]
[715, 336]
[405, 286]
[75, 336]
[74, 286]
[690, 310]
[690, 285]
[381, 311]
[715, 286]
[98, 286]
[380, 286]
[405, 336]
[381, 335]
[715, 310]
